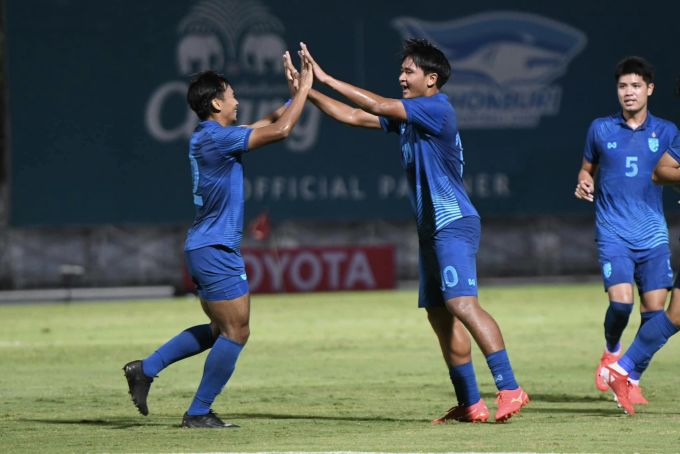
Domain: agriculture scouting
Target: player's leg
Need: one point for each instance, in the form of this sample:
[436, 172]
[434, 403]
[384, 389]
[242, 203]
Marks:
[454, 342]
[654, 277]
[617, 269]
[649, 339]
[226, 301]
[140, 373]
[190, 342]
[456, 246]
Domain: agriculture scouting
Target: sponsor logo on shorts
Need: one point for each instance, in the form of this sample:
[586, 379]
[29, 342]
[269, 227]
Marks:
[244, 276]
[472, 282]
[607, 270]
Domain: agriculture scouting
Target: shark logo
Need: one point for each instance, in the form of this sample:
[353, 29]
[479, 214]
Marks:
[242, 39]
[504, 64]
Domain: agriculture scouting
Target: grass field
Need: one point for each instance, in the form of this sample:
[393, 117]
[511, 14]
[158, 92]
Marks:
[322, 372]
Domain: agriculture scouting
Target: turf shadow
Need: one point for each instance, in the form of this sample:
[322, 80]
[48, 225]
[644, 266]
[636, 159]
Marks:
[325, 418]
[119, 423]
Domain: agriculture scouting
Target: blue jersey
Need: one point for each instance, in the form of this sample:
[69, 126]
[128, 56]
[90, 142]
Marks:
[217, 173]
[628, 205]
[432, 156]
[674, 149]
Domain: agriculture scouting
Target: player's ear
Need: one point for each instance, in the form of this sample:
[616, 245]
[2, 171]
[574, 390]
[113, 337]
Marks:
[216, 105]
[650, 88]
[432, 80]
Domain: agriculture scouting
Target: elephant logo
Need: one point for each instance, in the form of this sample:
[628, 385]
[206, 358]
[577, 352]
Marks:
[261, 53]
[199, 52]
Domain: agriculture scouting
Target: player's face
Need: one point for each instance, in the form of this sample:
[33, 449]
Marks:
[633, 92]
[413, 81]
[228, 105]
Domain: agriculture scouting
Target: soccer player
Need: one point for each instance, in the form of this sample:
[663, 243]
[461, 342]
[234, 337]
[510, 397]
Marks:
[654, 334]
[631, 231]
[448, 224]
[212, 248]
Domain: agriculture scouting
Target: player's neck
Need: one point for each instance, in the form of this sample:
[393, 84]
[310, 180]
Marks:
[635, 119]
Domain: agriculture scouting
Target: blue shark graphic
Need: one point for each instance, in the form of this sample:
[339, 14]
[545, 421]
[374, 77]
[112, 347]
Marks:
[504, 64]
[502, 48]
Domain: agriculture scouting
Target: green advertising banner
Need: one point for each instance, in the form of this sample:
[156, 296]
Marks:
[99, 125]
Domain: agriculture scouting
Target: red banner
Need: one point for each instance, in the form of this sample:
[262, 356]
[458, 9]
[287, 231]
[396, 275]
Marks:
[313, 269]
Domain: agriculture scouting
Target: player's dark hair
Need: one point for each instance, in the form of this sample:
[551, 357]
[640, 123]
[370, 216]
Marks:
[205, 87]
[428, 58]
[635, 65]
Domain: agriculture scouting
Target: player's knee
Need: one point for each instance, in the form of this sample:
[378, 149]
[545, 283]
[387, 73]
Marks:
[463, 308]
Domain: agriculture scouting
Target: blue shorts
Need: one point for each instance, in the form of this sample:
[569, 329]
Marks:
[448, 263]
[218, 272]
[650, 269]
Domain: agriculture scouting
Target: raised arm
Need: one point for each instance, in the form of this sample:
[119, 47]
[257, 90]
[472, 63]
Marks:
[342, 112]
[366, 100]
[293, 80]
[283, 125]
[331, 107]
[585, 184]
[667, 170]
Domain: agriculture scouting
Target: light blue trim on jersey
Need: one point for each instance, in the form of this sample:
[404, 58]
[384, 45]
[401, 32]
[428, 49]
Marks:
[432, 157]
[215, 155]
[628, 205]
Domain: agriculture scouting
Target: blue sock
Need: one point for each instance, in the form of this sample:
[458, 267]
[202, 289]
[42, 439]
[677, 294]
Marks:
[651, 337]
[501, 370]
[219, 365]
[465, 384]
[189, 342]
[615, 321]
[636, 373]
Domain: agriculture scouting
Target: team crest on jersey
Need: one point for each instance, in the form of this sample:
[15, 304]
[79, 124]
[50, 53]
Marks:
[607, 270]
[653, 143]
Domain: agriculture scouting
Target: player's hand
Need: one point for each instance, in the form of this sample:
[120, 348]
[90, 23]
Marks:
[292, 74]
[585, 190]
[319, 73]
[307, 73]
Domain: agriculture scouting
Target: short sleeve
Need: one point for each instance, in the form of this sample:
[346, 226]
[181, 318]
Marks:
[591, 152]
[428, 113]
[389, 125]
[232, 139]
[674, 149]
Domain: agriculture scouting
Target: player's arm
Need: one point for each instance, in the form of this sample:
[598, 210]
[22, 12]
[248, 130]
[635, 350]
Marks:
[366, 100]
[269, 119]
[585, 184]
[667, 170]
[342, 112]
[333, 108]
[283, 126]
[293, 84]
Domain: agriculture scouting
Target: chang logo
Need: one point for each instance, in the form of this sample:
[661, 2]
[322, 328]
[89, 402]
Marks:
[243, 40]
[504, 65]
[607, 270]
